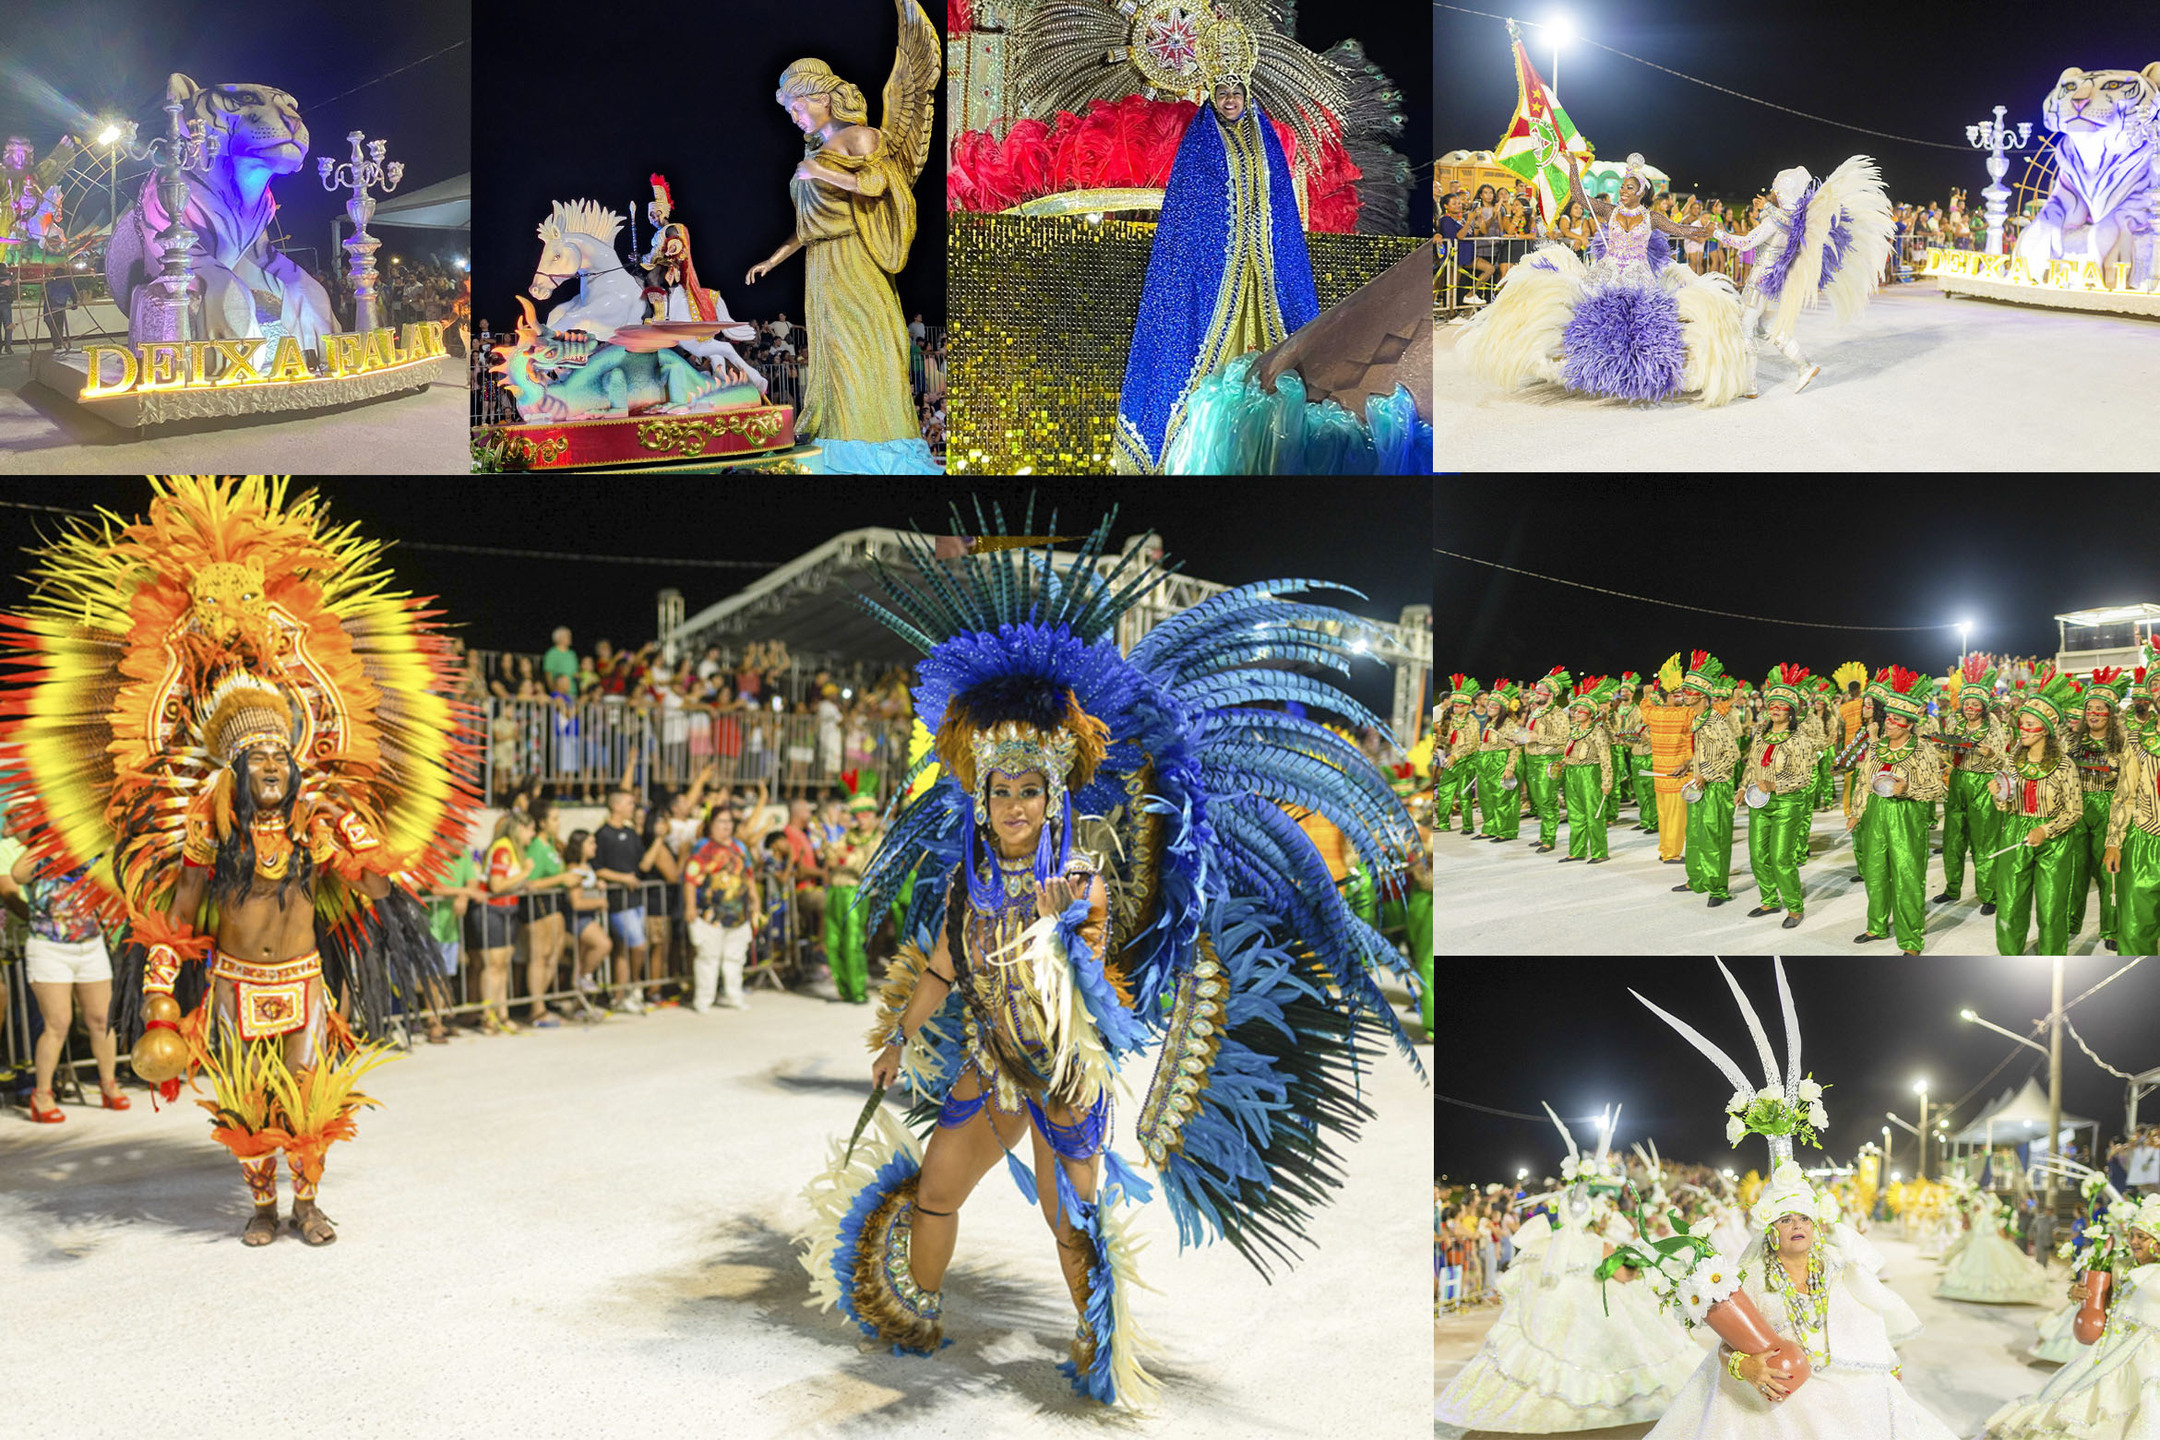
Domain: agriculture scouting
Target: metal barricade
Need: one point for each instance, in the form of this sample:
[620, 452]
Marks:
[589, 745]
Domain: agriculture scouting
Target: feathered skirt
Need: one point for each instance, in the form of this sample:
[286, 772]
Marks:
[1628, 333]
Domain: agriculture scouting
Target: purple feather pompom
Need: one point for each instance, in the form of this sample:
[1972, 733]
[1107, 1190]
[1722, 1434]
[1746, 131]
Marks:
[1625, 341]
[1770, 278]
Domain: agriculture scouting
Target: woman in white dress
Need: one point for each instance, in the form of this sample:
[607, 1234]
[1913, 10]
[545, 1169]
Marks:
[2111, 1390]
[1989, 1268]
[1807, 1284]
[1562, 1356]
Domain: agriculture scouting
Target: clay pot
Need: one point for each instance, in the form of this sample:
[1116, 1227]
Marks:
[1739, 1324]
[2091, 1316]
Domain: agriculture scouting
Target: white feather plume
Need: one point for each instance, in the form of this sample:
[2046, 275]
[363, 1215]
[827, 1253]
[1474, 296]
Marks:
[1565, 1134]
[1517, 339]
[1718, 363]
[1854, 188]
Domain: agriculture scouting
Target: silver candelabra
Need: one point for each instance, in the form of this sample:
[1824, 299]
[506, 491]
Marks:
[1995, 135]
[186, 145]
[363, 172]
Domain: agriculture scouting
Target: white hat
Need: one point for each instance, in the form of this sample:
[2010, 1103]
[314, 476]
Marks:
[1790, 185]
[1789, 1193]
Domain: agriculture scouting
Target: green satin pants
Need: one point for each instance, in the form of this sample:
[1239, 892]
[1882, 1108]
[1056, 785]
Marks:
[1823, 795]
[846, 943]
[2088, 864]
[1419, 924]
[1645, 790]
[1619, 783]
[2030, 878]
[1892, 842]
[1970, 824]
[1501, 807]
[1770, 833]
[1709, 841]
[1449, 786]
[1585, 811]
[2137, 895]
[1359, 895]
[1544, 794]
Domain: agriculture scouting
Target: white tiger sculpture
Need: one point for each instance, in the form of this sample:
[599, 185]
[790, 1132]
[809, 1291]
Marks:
[2107, 171]
[247, 290]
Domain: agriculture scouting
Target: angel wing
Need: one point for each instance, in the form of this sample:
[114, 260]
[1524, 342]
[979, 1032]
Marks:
[910, 117]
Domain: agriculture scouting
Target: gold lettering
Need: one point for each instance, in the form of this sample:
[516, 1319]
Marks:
[239, 357]
[159, 361]
[2062, 274]
[289, 363]
[97, 386]
[1994, 265]
[2021, 272]
[343, 353]
[2122, 276]
[2089, 276]
[198, 371]
[380, 352]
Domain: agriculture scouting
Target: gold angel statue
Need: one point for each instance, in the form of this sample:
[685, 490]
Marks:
[855, 215]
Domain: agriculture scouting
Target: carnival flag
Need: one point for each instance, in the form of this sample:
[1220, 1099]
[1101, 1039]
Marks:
[1541, 138]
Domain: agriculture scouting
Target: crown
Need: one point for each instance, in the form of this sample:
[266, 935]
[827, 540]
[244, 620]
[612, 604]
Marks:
[1228, 53]
[1014, 747]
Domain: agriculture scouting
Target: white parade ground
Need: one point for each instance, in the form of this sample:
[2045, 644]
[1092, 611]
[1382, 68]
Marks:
[1967, 1360]
[586, 1232]
[1921, 381]
[1505, 898]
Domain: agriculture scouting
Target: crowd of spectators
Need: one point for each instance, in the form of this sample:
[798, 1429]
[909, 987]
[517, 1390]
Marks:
[740, 711]
[1485, 231]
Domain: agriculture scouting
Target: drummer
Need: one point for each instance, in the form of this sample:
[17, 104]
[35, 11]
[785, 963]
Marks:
[1499, 790]
[1586, 768]
[1709, 793]
[1890, 832]
[1777, 784]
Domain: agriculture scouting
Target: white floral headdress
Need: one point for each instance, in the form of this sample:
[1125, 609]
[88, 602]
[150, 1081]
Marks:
[1778, 1110]
[1600, 1167]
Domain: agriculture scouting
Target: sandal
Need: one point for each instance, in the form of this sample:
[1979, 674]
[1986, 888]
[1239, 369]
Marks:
[113, 1099]
[489, 1025]
[45, 1117]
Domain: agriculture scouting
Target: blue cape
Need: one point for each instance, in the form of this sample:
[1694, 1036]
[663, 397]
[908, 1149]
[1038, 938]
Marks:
[1190, 280]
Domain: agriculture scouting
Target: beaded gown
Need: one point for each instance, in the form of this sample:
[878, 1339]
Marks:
[2109, 1390]
[1854, 1392]
[1562, 1357]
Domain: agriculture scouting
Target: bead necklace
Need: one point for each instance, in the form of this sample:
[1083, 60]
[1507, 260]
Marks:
[1809, 1309]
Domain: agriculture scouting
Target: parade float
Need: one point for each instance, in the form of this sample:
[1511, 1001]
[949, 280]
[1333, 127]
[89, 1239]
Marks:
[218, 323]
[2088, 238]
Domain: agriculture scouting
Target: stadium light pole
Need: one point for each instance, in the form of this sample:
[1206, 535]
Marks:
[1562, 30]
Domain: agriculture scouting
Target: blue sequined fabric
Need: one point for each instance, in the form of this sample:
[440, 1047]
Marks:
[1197, 243]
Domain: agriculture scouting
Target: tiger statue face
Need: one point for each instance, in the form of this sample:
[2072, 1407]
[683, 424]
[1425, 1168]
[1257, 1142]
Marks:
[259, 123]
[228, 600]
[2084, 102]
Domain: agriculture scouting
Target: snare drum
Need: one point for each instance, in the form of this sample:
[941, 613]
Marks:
[1757, 797]
[2005, 786]
[1691, 792]
[1885, 782]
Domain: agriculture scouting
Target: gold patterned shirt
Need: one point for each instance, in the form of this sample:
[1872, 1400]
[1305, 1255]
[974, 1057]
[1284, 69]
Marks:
[1548, 732]
[2137, 790]
[2096, 768]
[2054, 800]
[1990, 743]
[1716, 751]
[1628, 729]
[1592, 747]
[1460, 736]
[1791, 765]
[1917, 762]
[1495, 737]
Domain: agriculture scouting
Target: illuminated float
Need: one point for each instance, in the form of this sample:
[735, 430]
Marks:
[2090, 243]
[220, 324]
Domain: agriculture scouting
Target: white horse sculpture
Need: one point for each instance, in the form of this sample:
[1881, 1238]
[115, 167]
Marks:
[578, 243]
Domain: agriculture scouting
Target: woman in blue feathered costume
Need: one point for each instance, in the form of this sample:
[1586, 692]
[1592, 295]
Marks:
[1228, 272]
[1107, 862]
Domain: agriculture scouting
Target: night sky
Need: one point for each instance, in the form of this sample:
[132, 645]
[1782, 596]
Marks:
[62, 61]
[581, 103]
[1370, 536]
[1923, 72]
[1868, 1028]
[2002, 554]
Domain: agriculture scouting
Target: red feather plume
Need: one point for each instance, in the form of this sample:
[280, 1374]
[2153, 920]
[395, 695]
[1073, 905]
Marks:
[2107, 674]
[1456, 679]
[1697, 662]
[1902, 680]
